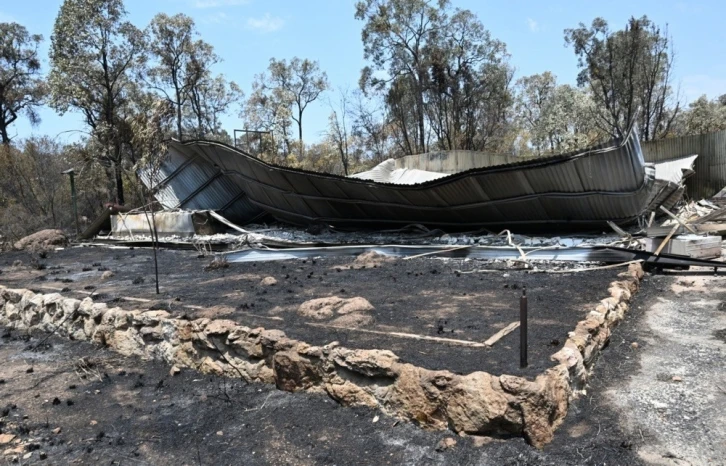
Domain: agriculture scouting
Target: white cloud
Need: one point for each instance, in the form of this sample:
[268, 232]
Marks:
[265, 24]
[218, 3]
[695, 86]
[216, 18]
[533, 26]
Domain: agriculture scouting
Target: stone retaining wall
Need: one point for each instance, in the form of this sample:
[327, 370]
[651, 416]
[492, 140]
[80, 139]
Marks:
[475, 404]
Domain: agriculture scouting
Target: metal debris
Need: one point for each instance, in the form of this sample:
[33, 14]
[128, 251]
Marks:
[585, 189]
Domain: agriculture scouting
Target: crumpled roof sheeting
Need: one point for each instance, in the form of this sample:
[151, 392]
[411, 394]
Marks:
[672, 171]
[710, 167]
[610, 181]
[188, 180]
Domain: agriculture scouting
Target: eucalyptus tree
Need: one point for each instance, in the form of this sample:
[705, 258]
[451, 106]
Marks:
[446, 81]
[22, 89]
[555, 117]
[339, 132]
[372, 126]
[703, 116]
[211, 98]
[269, 109]
[181, 63]
[284, 91]
[302, 81]
[395, 36]
[95, 57]
[629, 73]
[469, 94]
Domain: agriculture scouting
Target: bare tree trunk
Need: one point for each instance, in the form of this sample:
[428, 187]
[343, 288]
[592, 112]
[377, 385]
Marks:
[119, 184]
[299, 132]
[179, 122]
[420, 113]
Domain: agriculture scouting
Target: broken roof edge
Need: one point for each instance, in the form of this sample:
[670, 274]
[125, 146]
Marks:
[647, 184]
[580, 189]
[606, 147]
[675, 170]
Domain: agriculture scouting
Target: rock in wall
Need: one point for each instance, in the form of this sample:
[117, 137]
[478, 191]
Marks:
[474, 404]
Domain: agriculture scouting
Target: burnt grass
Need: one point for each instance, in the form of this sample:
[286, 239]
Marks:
[115, 410]
[422, 296]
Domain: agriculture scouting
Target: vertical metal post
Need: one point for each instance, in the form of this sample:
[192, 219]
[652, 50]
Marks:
[523, 329]
[72, 176]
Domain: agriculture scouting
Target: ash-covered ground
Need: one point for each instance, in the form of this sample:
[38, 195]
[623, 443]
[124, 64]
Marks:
[422, 297]
[657, 396]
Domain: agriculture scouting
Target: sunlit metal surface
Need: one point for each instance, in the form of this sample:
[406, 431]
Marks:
[584, 189]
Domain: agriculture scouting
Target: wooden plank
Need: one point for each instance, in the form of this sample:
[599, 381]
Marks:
[618, 230]
[714, 228]
[677, 219]
[699, 247]
[502, 333]
[712, 216]
[473, 344]
[650, 220]
[665, 241]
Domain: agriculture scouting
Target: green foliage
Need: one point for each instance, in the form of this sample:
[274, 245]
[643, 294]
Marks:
[181, 62]
[95, 58]
[444, 78]
[21, 88]
[629, 73]
[182, 74]
[555, 118]
[269, 109]
[211, 99]
[282, 94]
[703, 116]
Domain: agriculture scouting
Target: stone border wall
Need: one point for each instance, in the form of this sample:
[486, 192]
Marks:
[474, 404]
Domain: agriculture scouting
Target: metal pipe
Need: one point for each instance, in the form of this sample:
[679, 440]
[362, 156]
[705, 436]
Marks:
[523, 329]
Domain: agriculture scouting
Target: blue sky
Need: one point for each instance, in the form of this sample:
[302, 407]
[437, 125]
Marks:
[247, 33]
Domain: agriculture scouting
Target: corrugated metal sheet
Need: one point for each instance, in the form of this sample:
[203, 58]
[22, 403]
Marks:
[190, 181]
[455, 161]
[607, 254]
[710, 167]
[610, 181]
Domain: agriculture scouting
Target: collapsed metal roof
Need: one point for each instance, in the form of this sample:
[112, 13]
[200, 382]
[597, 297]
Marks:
[188, 180]
[610, 181]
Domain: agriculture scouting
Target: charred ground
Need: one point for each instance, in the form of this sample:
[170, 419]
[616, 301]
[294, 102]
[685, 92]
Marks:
[424, 296]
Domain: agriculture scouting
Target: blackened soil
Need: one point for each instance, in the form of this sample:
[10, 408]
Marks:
[422, 296]
[116, 410]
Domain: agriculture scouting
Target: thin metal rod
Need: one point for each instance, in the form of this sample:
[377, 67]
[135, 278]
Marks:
[523, 329]
[75, 204]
